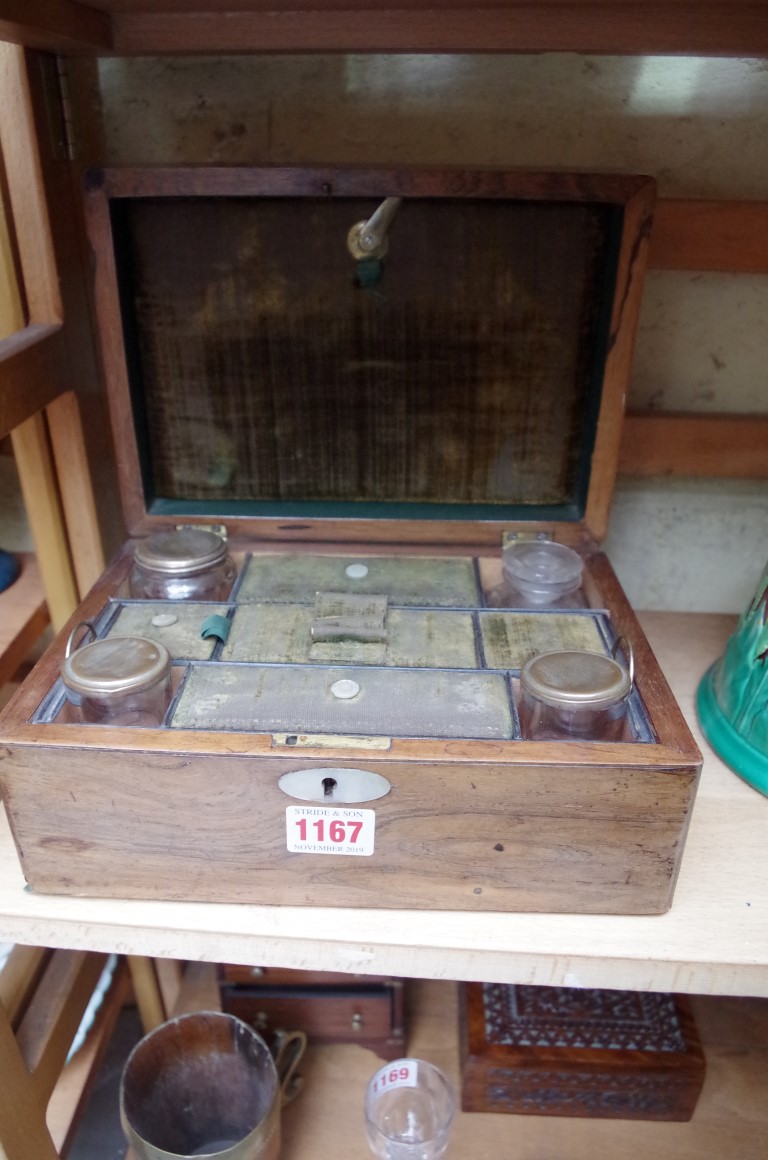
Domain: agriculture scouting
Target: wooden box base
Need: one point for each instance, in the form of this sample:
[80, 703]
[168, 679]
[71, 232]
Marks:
[558, 1051]
[455, 821]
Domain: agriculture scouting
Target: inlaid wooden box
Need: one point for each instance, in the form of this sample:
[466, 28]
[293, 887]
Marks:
[364, 429]
[562, 1051]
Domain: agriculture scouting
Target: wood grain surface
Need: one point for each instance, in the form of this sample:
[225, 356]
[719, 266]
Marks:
[168, 26]
[558, 826]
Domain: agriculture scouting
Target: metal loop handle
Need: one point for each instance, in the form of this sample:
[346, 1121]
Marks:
[80, 624]
[287, 1052]
[626, 647]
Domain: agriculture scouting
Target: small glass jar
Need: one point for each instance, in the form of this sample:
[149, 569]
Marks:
[537, 572]
[574, 695]
[122, 680]
[186, 564]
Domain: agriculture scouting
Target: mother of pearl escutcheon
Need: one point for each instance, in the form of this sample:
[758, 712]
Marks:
[330, 785]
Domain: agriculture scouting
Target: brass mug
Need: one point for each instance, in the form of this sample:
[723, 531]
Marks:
[206, 1084]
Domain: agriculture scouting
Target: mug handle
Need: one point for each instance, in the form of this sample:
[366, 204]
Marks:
[288, 1049]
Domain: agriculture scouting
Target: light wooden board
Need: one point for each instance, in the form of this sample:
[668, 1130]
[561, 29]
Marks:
[74, 481]
[710, 235]
[62, 26]
[717, 446]
[515, 27]
[29, 372]
[41, 501]
[23, 616]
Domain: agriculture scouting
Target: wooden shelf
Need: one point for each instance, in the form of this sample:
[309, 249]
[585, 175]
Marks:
[326, 1119]
[714, 940]
[23, 617]
[132, 27]
[730, 1118]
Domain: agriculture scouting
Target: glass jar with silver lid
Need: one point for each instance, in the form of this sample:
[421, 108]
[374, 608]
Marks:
[573, 694]
[122, 680]
[182, 564]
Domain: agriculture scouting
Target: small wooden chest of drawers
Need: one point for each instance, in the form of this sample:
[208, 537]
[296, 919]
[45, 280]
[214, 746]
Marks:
[330, 1007]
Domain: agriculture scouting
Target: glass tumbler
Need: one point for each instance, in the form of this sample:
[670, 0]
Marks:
[184, 564]
[409, 1111]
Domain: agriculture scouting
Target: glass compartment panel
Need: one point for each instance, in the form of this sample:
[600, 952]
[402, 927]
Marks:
[415, 638]
[427, 581]
[176, 625]
[511, 638]
[389, 702]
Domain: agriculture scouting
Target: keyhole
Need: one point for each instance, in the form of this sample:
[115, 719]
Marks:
[329, 785]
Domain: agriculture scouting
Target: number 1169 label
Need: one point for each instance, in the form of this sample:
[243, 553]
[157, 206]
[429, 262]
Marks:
[330, 830]
[401, 1073]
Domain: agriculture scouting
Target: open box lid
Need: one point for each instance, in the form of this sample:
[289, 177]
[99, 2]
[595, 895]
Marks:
[466, 372]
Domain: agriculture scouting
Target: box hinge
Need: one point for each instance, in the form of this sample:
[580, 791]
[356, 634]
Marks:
[217, 529]
[526, 534]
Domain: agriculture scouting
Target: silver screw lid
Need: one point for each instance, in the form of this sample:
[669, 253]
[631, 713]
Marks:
[181, 552]
[118, 664]
[573, 680]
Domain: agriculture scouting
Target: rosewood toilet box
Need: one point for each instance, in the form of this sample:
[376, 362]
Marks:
[561, 1051]
[364, 423]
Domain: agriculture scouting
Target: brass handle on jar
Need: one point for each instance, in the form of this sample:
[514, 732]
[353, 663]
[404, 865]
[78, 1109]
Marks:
[625, 644]
[80, 624]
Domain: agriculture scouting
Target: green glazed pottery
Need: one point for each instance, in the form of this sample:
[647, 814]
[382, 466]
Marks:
[732, 700]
